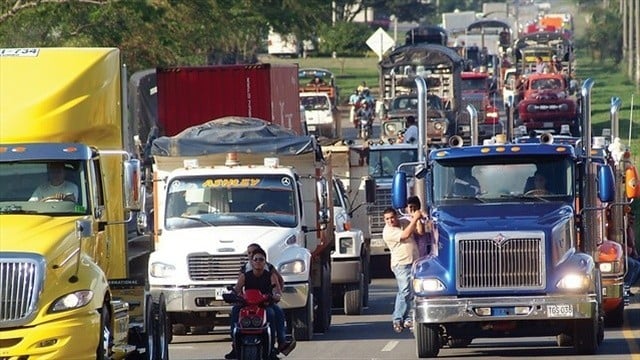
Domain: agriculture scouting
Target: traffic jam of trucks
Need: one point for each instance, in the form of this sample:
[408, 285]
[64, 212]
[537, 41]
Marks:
[167, 182]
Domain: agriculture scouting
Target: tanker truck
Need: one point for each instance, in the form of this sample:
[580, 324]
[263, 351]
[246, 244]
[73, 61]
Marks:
[72, 277]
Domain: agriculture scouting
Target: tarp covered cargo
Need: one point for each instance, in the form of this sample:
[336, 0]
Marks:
[422, 54]
[234, 134]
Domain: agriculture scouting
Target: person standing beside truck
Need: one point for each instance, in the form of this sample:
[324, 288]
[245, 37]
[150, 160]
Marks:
[56, 188]
[398, 236]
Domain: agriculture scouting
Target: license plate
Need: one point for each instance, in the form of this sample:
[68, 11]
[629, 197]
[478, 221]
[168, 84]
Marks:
[560, 310]
[311, 127]
[502, 311]
[548, 124]
[218, 293]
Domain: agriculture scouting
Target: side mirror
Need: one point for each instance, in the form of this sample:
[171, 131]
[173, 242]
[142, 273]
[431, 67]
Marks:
[321, 193]
[606, 184]
[370, 190]
[132, 185]
[399, 190]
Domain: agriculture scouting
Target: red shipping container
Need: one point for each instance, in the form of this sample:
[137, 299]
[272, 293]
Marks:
[189, 96]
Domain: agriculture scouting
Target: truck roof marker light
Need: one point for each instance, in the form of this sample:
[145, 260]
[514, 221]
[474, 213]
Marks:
[190, 163]
[232, 159]
[485, 150]
[441, 153]
[501, 149]
[3, 149]
[70, 149]
[515, 148]
[19, 149]
[272, 162]
[561, 149]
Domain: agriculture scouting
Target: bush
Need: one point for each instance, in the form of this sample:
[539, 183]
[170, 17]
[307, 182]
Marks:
[347, 39]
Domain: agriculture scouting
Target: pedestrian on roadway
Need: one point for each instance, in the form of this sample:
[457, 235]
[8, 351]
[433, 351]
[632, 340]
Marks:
[398, 236]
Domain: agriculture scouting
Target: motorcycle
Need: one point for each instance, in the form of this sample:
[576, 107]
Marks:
[365, 124]
[252, 337]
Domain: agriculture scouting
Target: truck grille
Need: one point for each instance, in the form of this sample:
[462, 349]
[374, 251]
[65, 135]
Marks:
[499, 262]
[206, 267]
[20, 284]
[375, 210]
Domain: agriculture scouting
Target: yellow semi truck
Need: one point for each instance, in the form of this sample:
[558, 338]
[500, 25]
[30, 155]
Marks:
[72, 278]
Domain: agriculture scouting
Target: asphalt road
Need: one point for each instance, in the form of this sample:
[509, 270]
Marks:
[370, 336]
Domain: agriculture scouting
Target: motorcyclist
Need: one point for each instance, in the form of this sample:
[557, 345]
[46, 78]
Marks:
[258, 277]
[365, 112]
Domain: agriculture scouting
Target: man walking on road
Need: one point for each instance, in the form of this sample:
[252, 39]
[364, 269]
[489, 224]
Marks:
[398, 235]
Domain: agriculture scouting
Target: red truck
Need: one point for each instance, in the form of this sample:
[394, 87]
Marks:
[546, 104]
[266, 91]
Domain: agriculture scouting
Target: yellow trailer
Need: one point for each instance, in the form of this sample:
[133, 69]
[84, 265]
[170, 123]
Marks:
[72, 277]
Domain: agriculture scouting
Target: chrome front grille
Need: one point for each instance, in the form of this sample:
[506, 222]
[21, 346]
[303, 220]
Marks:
[375, 210]
[206, 267]
[499, 261]
[21, 278]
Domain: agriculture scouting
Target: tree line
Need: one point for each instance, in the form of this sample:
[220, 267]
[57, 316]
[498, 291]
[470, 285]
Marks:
[154, 33]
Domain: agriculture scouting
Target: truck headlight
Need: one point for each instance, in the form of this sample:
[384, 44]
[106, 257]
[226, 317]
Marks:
[292, 268]
[346, 245]
[573, 282]
[427, 285]
[610, 267]
[70, 301]
[531, 108]
[161, 270]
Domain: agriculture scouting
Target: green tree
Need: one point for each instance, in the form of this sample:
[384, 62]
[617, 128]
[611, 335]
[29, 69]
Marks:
[345, 38]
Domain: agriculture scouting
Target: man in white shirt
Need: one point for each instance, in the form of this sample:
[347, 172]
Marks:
[411, 134]
[57, 188]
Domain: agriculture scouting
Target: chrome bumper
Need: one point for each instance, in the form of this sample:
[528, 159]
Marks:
[294, 295]
[454, 310]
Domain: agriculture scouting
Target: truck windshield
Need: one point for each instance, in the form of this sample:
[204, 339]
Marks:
[503, 180]
[45, 187]
[258, 200]
[474, 84]
[383, 163]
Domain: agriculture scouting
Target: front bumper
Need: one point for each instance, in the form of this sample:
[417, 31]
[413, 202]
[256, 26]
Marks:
[294, 295]
[455, 310]
[74, 337]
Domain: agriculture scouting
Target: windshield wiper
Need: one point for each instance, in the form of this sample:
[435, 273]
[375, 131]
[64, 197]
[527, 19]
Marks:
[198, 219]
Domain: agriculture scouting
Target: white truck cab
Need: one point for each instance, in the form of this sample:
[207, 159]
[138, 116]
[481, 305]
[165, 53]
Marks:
[320, 114]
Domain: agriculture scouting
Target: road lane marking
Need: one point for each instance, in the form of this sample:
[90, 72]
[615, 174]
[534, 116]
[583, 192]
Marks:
[390, 345]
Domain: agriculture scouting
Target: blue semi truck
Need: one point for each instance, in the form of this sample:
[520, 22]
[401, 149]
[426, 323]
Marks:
[514, 258]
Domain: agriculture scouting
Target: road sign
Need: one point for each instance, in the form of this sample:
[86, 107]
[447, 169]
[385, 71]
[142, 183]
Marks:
[380, 42]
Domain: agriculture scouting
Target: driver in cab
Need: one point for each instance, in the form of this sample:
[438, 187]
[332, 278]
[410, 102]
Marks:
[56, 188]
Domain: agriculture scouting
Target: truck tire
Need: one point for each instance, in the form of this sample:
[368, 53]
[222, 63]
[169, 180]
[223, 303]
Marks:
[353, 298]
[150, 327]
[366, 276]
[162, 334]
[427, 340]
[103, 351]
[585, 336]
[301, 321]
[322, 318]
[615, 317]
[249, 352]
